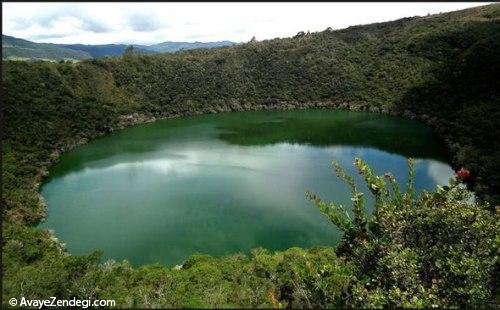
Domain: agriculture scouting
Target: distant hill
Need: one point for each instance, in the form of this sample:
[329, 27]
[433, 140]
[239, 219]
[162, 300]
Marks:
[169, 47]
[104, 49]
[164, 47]
[15, 48]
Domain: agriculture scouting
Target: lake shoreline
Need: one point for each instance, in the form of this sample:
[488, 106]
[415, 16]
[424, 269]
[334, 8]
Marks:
[205, 171]
[136, 118]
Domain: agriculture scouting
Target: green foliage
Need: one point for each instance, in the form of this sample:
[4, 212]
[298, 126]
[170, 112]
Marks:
[297, 277]
[129, 51]
[434, 249]
[437, 249]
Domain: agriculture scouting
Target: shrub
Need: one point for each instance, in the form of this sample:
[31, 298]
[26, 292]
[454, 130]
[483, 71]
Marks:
[437, 249]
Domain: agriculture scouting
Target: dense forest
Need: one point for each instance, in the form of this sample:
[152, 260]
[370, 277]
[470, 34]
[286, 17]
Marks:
[440, 69]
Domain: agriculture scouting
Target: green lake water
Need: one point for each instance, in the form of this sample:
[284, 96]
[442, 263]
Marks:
[225, 183]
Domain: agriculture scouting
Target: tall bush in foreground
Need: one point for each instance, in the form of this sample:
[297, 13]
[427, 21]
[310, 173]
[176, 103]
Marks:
[435, 249]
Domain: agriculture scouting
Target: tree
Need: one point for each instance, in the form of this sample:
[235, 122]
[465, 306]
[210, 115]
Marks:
[129, 51]
[300, 34]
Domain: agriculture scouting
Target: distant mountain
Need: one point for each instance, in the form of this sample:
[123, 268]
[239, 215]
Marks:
[164, 47]
[15, 48]
[104, 49]
[169, 47]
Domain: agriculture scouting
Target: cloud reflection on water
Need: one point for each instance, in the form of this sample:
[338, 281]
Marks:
[161, 194]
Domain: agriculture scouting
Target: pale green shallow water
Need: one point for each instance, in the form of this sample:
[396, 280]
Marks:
[226, 183]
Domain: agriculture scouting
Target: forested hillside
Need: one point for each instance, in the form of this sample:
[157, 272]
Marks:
[103, 50]
[108, 50]
[440, 69]
[170, 47]
[19, 49]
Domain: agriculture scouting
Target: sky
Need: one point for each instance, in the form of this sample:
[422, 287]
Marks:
[148, 23]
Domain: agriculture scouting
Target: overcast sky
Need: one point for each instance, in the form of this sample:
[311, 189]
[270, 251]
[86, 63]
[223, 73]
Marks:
[145, 23]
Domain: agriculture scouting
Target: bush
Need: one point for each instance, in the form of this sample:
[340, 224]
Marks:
[437, 249]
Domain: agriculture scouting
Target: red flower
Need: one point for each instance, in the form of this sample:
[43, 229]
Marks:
[463, 173]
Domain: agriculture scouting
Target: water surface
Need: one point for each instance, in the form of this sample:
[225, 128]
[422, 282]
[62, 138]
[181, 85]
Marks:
[226, 183]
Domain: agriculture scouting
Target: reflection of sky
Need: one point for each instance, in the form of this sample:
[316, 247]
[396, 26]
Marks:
[438, 171]
[212, 197]
[266, 159]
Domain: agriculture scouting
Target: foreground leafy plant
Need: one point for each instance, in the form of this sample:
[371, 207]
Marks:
[437, 249]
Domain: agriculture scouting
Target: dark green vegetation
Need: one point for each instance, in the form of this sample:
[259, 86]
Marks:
[435, 249]
[19, 49]
[441, 69]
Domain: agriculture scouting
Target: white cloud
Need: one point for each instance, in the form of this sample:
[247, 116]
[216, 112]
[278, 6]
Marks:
[144, 23]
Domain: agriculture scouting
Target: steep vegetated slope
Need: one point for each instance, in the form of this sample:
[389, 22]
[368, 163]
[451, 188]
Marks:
[440, 69]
